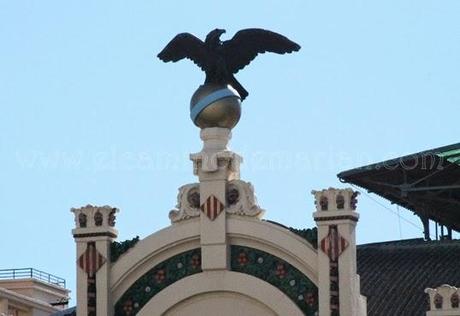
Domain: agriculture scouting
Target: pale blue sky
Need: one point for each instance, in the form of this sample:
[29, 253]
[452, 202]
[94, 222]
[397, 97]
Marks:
[88, 115]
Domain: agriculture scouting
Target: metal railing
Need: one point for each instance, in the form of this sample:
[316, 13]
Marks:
[31, 273]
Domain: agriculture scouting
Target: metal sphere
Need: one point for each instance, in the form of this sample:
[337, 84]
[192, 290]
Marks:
[214, 105]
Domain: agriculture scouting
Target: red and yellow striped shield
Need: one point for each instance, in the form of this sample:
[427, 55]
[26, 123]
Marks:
[91, 260]
[212, 207]
[333, 244]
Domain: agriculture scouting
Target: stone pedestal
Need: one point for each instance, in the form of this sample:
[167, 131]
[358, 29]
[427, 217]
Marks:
[215, 165]
[93, 235]
[218, 171]
[339, 289]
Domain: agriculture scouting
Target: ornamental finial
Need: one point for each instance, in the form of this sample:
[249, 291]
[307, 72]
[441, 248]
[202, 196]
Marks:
[217, 102]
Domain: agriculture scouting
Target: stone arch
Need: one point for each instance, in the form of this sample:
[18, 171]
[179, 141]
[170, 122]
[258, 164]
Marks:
[156, 280]
[185, 237]
[256, 293]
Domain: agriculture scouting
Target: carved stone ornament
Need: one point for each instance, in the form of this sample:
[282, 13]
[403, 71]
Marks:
[211, 162]
[324, 203]
[91, 216]
[242, 200]
[233, 196]
[112, 218]
[335, 199]
[82, 220]
[444, 298]
[438, 301]
[193, 198]
[340, 201]
[98, 218]
[454, 300]
[188, 203]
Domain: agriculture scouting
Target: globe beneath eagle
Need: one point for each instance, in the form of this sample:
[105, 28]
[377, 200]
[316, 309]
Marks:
[215, 105]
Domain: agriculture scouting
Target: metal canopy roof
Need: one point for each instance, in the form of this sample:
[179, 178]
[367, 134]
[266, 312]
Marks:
[427, 183]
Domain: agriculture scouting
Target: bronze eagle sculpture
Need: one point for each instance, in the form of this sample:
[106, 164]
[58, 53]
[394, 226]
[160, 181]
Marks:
[221, 60]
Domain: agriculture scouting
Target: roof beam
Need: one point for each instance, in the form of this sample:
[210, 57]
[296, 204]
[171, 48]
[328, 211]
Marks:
[432, 188]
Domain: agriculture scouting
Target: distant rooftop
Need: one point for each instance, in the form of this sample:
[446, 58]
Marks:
[31, 273]
[395, 274]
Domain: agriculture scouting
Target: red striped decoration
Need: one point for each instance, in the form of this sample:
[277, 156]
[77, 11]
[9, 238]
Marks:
[91, 260]
[212, 207]
[333, 244]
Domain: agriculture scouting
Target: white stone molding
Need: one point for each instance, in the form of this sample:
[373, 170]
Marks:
[246, 202]
[444, 301]
[91, 219]
[185, 208]
[245, 205]
[215, 154]
[212, 162]
[333, 196]
[247, 289]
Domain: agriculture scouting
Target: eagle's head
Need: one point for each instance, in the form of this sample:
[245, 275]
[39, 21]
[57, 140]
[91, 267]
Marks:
[213, 37]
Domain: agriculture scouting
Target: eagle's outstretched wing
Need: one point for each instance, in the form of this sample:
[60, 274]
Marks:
[246, 44]
[185, 45]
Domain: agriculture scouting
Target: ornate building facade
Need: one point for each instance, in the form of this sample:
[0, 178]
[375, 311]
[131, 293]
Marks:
[219, 256]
